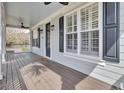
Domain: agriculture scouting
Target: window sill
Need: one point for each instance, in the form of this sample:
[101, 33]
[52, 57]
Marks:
[86, 58]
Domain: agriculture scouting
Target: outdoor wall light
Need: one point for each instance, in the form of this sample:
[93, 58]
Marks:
[52, 27]
[41, 30]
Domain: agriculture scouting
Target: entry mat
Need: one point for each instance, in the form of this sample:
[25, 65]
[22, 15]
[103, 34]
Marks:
[37, 76]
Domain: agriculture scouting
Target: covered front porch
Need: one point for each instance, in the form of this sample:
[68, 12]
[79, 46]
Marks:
[29, 71]
[67, 46]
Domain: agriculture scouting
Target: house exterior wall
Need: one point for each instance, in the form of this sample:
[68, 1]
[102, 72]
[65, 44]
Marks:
[110, 72]
[41, 50]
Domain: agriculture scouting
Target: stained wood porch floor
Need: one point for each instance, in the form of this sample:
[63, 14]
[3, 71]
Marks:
[69, 79]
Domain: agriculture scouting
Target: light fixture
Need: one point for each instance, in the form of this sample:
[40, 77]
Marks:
[63, 3]
[38, 29]
[52, 27]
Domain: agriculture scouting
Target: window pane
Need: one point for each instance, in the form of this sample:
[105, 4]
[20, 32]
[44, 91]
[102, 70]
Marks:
[67, 21]
[70, 29]
[84, 19]
[95, 24]
[75, 19]
[75, 41]
[94, 16]
[95, 41]
[90, 42]
[71, 43]
[70, 21]
[75, 22]
[75, 28]
[87, 19]
[84, 42]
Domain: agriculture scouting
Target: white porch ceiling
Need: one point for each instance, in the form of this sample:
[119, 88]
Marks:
[29, 12]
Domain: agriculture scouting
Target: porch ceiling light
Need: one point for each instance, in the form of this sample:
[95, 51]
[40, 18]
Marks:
[39, 29]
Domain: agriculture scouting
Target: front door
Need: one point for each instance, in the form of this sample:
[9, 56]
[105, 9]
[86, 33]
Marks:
[48, 39]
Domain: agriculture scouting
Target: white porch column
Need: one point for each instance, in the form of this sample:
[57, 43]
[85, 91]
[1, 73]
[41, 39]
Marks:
[0, 41]
[2, 37]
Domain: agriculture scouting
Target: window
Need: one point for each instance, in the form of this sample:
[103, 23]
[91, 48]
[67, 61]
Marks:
[36, 40]
[87, 33]
[89, 30]
[71, 33]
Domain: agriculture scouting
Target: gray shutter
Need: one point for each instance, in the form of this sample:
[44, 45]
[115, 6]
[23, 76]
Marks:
[32, 38]
[111, 31]
[61, 34]
[38, 39]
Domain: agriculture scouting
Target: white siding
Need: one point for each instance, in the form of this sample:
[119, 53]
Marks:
[112, 73]
[122, 33]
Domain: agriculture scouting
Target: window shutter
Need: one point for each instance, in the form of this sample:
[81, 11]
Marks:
[39, 39]
[61, 34]
[111, 31]
[32, 38]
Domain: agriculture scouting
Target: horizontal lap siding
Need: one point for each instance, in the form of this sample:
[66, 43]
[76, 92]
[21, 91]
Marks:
[111, 73]
[122, 33]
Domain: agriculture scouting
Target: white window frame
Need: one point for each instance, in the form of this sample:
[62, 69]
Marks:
[78, 54]
[89, 30]
[71, 33]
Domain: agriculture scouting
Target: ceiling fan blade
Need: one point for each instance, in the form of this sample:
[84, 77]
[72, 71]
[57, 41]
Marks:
[64, 3]
[46, 3]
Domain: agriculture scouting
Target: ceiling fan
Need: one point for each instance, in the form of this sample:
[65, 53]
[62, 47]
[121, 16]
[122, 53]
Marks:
[63, 3]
